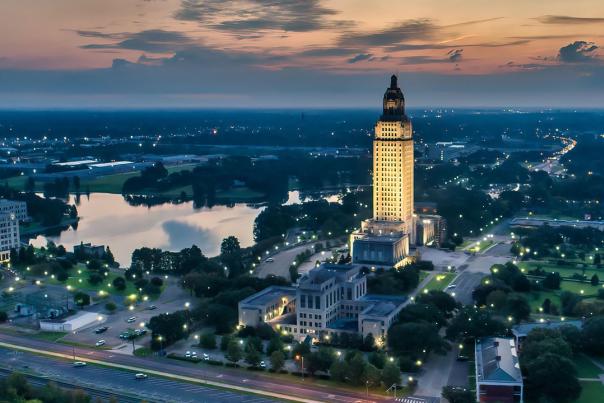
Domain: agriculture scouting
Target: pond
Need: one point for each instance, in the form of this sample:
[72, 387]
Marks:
[107, 219]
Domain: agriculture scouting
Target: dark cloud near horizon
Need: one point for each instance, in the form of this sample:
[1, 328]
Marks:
[455, 55]
[261, 15]
[360, 57]
[568, 20]
[153, 40]
[578, 52]
[409, 30]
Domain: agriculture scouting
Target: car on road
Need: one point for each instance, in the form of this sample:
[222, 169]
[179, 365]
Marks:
[188, 354]
[131, 319]
[152, 307]
[262, 364]
[100, 343]
[101, 329]
[78, 364]
[269, 260]
[140, 376]
[450, 286]
[462, 357]
[206, 357]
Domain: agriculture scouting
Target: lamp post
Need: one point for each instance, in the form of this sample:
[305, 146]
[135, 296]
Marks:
[301, 359]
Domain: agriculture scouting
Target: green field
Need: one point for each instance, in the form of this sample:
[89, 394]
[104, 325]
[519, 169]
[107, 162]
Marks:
[439, 281]
[586, 368]
[592, 392]
[565, 271]
[102, 184]
[79, 282]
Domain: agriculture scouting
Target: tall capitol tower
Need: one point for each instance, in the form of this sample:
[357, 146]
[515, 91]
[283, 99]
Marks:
[386, 239]
[393, 161]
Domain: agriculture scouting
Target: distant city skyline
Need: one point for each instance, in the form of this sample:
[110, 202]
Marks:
[288, 53]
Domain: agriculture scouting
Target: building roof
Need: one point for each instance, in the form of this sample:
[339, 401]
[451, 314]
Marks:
[497, 361]
[525, 328]
[383, 305]
[327, 271]
[269, 294]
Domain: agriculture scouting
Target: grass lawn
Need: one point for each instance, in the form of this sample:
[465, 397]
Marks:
[78, 281]
[48, 336]
[565, 271]
[439, 281]
[586, 368]
[143, 352]
[479, 246]
[102, 184]
[592, 392]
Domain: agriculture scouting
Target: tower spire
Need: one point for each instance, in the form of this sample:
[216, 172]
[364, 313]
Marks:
[394, 101]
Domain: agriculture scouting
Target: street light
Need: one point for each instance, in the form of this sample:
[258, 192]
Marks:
[301, 359]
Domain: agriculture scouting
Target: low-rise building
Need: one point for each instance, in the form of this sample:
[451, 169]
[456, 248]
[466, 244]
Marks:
[328, 301]
[498, 375]
[71, 324]
[9, 235]
[88, 249]
[522, 330]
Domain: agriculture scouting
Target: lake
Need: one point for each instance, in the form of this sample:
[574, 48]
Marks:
[107, 219]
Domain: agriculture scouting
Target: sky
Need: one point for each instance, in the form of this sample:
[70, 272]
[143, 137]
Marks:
[300, 53]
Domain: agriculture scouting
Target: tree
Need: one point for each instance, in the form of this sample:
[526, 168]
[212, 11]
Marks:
[595, 280]
[119, 283]
[474, 322]
[521, 284]
[338, 370]
[95, 278]
[81, 299]
[371, 376]
[597, 259]
[440, 299]
[546, 306]
[110, 306]
[391, 375]
[3, 316]
[277, 359]
[208, 340]
[170, 326]
[224, 342]
[552, 281]
[455, 394]
[252, 356]
[414, 338]
[518, 307]
[592, 335]
[572, 335]
[320, 360]
[368, 343]
[356, 369]
[233, 352]
[377, 358]
[542, 340]
[275, 344]
[230, 246]
[551, 376]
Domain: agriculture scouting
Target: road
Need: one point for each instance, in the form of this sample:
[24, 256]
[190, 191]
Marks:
[281, 262]
[197, 376]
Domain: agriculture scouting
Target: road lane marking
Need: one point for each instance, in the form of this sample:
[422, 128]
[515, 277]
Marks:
[163, 374]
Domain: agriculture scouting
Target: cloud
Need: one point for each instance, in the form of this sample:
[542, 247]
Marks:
[525, 66]
[578, 52]
[152, 40]
[436, 46]
[260, 15]
[568, 20]
[98, 34]
[360, 57]
[455, 55]
[336, 51]
[415, 29]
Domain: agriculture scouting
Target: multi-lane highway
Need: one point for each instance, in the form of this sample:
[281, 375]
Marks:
[179, 381]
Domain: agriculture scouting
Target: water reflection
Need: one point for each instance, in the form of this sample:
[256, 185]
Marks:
[108, 219]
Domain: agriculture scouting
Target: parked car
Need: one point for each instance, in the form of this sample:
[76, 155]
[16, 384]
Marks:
[188, 354]
[100, 343]
[206, 357]
[131, 319]
[152, 307]
[101, 330]
[262, 364]
[270, 260]
[140, 376]
[78, 364]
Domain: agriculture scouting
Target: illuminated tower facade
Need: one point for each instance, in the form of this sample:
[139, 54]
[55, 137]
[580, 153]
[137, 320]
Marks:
[393, 161]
